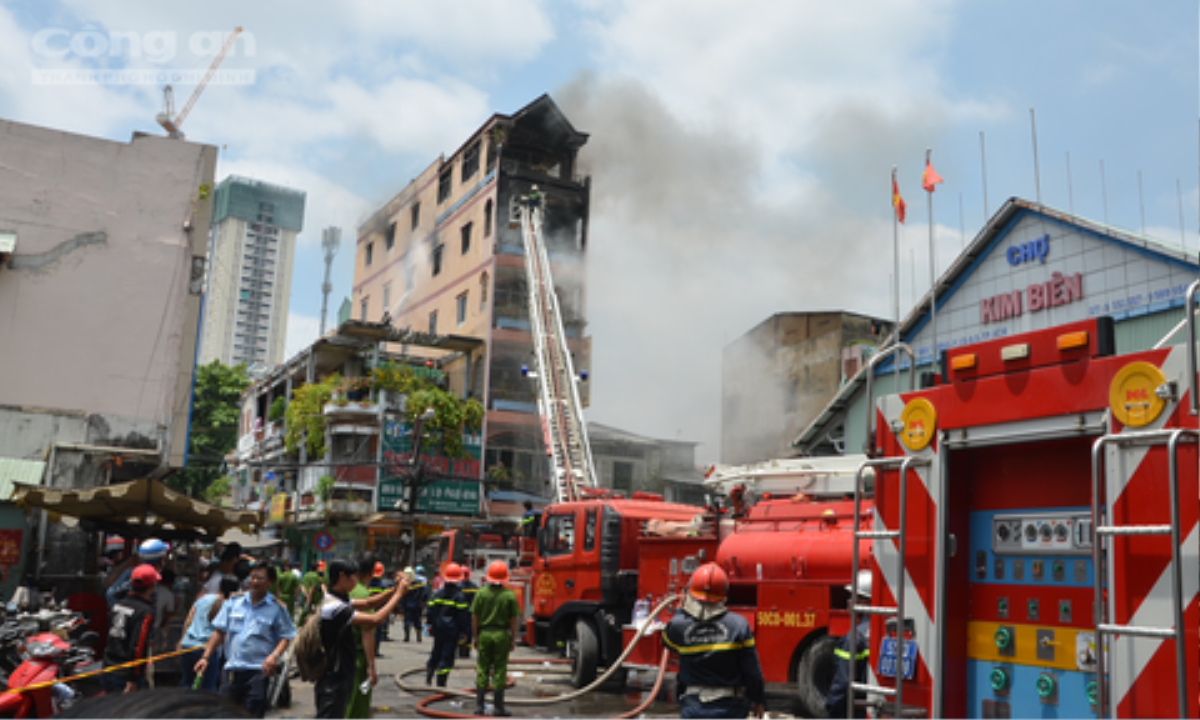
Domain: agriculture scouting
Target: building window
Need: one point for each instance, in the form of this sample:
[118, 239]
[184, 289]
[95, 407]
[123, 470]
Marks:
[370, 253]
[487, 218]
[623, 476]
[470, 161]
[462, 308]
[444, 185]
[416, 215]
[390, 239]
[437, 259]
[466, 238]
[483, 290]
[366, 304]
[491, 155]
[433, 323]
[387, 297]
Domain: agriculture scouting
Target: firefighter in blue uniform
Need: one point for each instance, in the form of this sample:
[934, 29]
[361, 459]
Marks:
[719, 675]
[839, 690]
[449, 619]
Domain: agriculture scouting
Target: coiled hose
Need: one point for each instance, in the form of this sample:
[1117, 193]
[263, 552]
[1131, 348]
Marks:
[437, 694]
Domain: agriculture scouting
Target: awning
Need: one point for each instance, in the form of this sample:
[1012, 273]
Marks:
[247, 541]
[14, 471]
[141, 508]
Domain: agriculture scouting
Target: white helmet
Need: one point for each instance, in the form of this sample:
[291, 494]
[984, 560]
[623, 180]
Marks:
[864, 584]
[153, 549]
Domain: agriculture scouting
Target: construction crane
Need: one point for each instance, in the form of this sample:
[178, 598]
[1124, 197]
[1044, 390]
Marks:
[173, 123]
[563, 427]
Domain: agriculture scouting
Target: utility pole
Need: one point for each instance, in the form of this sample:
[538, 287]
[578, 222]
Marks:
[331, 238]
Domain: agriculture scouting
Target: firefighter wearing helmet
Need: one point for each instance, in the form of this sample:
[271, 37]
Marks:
[839, 690]
[449, 619]
[494, 614]
[719, 675]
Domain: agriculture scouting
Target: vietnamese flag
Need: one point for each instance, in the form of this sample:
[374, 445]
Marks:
[897, 201]
[929, 178]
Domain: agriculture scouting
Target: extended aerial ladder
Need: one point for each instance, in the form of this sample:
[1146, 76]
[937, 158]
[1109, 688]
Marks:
[563, 426]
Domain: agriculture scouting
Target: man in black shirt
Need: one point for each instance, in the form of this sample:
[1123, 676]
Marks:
[338, 614]
[131, 623]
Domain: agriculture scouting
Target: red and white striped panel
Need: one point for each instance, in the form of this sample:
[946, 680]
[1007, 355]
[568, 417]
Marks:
[924, 486]
[1142, 671]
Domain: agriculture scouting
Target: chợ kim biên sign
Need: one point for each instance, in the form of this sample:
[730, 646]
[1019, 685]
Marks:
[1058, 290]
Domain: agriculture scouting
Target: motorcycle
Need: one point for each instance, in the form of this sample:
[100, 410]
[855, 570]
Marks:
[51, 655]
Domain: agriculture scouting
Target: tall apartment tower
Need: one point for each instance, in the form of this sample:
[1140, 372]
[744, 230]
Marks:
[445, 256]
[250, 254]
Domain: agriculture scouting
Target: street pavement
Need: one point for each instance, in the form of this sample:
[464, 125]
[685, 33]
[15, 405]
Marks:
[537, 675]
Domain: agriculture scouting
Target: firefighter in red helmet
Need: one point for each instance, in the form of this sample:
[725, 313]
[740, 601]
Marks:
[719, 675]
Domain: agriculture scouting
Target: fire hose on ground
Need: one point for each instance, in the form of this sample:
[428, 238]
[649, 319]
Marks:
[438, 694]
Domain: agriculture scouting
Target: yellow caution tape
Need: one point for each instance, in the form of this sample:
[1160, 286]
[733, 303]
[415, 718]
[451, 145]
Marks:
[93, 673]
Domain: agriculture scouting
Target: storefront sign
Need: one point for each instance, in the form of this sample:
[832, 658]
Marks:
[1030, 251]
[447, 497]
[397, 454]
[10, 551]
[278, 513]
[1059, 290]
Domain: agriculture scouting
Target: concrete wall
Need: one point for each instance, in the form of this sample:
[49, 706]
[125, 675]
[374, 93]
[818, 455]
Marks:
[99, 305]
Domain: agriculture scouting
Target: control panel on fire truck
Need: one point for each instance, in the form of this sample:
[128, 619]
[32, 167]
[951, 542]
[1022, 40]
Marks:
[1031, 650]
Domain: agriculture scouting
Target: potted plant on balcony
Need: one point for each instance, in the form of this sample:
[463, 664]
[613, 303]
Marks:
[357, 389]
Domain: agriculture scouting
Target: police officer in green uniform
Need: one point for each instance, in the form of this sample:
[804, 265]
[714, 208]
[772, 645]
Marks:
[494, 615]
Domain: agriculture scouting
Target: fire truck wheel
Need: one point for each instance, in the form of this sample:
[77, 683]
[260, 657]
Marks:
[584, 654]
[814, 675]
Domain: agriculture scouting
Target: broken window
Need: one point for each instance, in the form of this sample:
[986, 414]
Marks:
[437, 259]
[444, 185]
[466, 238]
[470, 161]
[390, 238]
[416, 215]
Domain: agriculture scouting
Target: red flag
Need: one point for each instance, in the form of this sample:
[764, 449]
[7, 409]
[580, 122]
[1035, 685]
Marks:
[897, 201]
[929, 178]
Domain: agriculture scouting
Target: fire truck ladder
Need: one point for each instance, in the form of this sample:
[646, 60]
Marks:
[558, 395]
[899, 534]
[897, 610]
[1103, 533]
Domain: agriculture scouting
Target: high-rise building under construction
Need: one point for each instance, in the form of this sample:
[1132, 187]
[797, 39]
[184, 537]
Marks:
[250, 254]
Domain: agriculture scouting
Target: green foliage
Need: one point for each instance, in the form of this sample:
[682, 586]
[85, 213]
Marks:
[278, 407]
[451, 417]
[398, 377]
[216, 408]
[218, 489]
[324, 491]
[305, 413]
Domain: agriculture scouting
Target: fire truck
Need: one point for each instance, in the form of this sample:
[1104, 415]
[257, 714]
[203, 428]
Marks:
[1035, 533]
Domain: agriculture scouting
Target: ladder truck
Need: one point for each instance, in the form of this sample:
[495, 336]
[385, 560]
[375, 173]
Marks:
[563, 428]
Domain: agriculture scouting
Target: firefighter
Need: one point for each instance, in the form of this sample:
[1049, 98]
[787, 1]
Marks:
[719, 675]
[839, 690]
[469, 589]
[530, 520]
[414, 603]
[449, 621]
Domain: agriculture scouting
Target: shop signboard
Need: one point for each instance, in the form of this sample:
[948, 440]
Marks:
[447, 497]
[278, 508]
[452, 484]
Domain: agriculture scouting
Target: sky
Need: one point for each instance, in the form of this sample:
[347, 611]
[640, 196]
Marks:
[740, 153]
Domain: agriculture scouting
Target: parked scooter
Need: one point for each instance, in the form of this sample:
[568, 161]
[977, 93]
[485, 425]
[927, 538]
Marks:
[51, 655]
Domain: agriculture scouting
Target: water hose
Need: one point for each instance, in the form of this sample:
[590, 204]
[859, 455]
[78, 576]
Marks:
[442, 693]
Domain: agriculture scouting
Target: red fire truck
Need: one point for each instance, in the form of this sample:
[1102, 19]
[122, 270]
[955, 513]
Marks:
[1035, 533]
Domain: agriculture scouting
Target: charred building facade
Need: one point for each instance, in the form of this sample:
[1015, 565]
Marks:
[445, 255]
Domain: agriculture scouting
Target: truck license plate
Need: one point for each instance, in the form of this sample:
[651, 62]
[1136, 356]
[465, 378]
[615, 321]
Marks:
[887, 657]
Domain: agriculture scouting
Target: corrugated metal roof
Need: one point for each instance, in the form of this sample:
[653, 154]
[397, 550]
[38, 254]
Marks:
[22, 471]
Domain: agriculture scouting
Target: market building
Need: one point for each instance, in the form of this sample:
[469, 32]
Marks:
[104, 245]
[1030, 267]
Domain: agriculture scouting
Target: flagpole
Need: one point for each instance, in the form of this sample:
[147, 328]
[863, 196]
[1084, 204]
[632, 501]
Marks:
[895, 264]
[932, 270]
